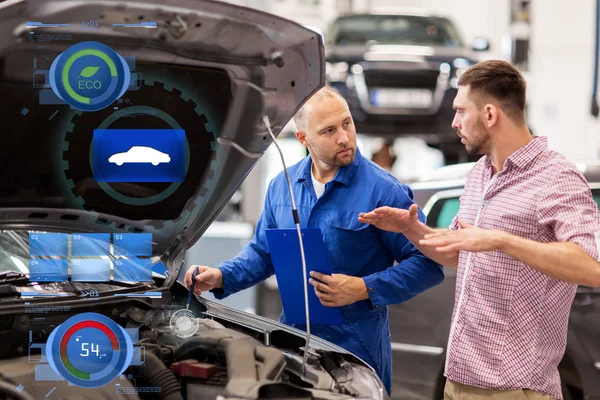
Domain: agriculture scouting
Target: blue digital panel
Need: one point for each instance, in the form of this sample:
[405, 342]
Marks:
[132, 244]
[160, 268]
[48, 270]
[133, 270]
[49, 244]
[139, 155]
[90, 244]
[90, 270]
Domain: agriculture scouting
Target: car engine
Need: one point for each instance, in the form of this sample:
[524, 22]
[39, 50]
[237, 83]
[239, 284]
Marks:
[220, 360]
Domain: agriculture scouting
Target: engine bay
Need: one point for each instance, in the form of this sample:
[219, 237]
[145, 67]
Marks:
[222, 359]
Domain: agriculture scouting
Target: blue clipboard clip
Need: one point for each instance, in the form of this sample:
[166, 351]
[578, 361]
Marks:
[285, 254]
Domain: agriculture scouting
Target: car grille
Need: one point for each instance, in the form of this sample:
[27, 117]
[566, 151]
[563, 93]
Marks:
[401, 79]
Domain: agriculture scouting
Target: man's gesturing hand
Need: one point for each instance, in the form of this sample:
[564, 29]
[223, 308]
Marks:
[207, 279]
[391, 219]
[338, 290]
[468, 238]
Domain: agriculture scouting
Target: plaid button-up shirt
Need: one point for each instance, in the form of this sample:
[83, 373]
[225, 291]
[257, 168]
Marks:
[509, 326]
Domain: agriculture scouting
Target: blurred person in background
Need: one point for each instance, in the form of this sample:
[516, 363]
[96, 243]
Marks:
[384, 156]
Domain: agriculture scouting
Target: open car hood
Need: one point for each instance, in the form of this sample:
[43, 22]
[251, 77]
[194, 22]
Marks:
[212, 70]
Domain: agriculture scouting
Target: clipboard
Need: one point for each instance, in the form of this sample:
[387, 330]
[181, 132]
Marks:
[285, 254]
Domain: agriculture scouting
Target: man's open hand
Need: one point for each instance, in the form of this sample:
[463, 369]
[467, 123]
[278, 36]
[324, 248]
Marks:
[207, 279]
[338, 290]
[468, 238]
[392, 219]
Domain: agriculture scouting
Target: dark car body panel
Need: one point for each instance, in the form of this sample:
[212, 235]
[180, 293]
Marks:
[420, 329]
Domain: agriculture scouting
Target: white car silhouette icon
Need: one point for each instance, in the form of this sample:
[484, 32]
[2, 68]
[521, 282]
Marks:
[140, 154]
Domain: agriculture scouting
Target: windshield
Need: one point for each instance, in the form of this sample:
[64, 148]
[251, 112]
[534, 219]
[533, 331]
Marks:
[78, 257]
[395, 29]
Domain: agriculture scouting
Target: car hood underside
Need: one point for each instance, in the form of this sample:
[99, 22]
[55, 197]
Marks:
[212, 70]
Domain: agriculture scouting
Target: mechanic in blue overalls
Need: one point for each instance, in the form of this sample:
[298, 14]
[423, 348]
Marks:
[332, 186]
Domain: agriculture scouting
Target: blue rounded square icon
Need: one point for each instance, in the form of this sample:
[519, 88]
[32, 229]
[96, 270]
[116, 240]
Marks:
[139, 155]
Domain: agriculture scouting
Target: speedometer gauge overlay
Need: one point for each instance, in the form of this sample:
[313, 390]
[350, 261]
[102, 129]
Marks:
[89, 350]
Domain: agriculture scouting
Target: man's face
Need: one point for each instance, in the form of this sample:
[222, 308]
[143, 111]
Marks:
[331, 135]
[469, 121]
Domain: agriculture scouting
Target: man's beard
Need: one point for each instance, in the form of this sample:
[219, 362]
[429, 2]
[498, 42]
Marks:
[476, 145]
[338, 161]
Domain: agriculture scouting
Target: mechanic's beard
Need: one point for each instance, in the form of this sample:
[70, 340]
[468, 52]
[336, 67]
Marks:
[342, 161]
[337, 160]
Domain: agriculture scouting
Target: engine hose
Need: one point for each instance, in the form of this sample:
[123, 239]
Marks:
[272, 363]
[156, 374]
[235, 351]
[197, 349]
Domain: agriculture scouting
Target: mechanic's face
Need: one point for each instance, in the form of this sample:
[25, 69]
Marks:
[331, 135]
[469, 121]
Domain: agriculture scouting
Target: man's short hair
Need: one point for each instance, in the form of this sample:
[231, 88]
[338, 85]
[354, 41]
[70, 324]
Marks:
[301, 117]
[500, 80]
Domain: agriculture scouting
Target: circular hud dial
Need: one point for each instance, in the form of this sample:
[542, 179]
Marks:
[89, 350]
[184, 323]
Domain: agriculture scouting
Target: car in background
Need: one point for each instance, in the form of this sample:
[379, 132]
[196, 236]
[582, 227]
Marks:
[399, 74]
[445, 178]
[420, 326]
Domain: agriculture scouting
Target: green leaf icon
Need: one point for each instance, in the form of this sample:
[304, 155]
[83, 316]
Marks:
[88, 72]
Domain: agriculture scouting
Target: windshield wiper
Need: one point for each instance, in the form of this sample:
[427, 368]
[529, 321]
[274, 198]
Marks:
[13, 278]
[17, 279]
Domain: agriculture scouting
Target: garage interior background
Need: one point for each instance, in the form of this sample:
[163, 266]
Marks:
[560, 63]
[553, 42]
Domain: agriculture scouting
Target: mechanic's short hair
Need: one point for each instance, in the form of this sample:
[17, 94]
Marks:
[500, 80]
[301, 117]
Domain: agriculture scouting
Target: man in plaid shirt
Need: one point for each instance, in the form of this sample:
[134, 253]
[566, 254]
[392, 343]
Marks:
[527, 233]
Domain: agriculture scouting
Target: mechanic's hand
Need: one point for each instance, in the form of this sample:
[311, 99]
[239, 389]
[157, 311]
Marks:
[207, 279]
[468, 238]
[338, 290]
[392, 219]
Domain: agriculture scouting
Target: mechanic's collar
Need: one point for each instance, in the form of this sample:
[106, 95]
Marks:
[344, 174]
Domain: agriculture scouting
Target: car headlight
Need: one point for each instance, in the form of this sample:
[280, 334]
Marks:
[336, 72]
[460, 66]
[368, 384]
[461, 63]
[361, 381]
